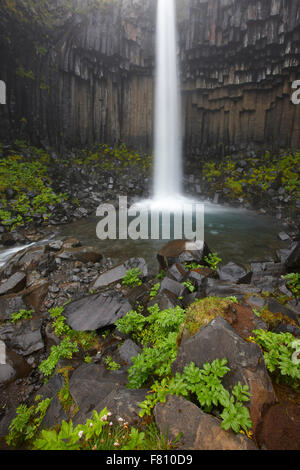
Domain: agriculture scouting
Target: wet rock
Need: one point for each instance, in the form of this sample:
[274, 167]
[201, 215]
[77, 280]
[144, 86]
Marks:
[280, 429]
[49, 389]
[127, 351]
[55, 245]
[123, 403]
[14, 284]
[12, 366]
[216, 288]
[164, 301]
[90, 384]
[54, 414]
[24, 338]
[96, 311]
[232, 272]
[119, 272]
[10, 304]
[293, 260]
[287, 328]
[283, 236]
[176, 288]
[219, 340]
[256, 302]
[84, 254]
[35, 295]
[180, 251]
[177, 272]
[200, 431]
[275, 307]
[7, 239]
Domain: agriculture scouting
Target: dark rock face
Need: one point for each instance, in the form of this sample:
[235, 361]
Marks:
[14, 284]
[234, 273]
[218, 340]
[96, 311]
[181, 251]
[118, 272]
[25, 337]
[203, 432]
[238, 60]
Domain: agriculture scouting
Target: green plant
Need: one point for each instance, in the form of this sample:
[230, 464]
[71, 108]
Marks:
[132, 278]
[193, 265]
[161, 275]
[213, 260]
[21, 315]
[278, 351]
[24, 427]
[293, 283]
[232, 299]
[64, 349]
[110, 364]
[189, 285]
[206, 386]
[154, 291]
[100, 434]
[158, 333]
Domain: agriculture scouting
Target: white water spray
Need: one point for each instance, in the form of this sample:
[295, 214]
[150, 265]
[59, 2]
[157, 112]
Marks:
[167, 130]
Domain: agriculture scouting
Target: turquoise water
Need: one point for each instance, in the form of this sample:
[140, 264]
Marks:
[237, 235]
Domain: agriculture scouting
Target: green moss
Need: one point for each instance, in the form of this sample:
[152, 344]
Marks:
[203, 311]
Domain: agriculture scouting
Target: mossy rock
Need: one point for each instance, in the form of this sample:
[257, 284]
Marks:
[203, 311]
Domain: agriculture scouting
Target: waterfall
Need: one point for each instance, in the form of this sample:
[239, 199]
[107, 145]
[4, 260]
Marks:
[167, 127]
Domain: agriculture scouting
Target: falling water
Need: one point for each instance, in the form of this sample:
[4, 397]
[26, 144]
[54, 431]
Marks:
[167, 142]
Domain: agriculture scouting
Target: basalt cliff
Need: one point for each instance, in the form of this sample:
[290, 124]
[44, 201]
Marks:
[80, 72]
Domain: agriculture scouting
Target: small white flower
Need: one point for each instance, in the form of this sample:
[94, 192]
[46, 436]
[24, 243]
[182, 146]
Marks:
[120, 420]
[104, 418]
[91, 425]
[80, 434]
[109, 413]
[110, 423]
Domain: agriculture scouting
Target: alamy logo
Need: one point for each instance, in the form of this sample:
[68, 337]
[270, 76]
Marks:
[296, 95]
[2, 92]
[142, 222]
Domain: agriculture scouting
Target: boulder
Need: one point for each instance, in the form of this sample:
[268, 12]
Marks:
[216, 288]
[127, 351]
[14, 284]
[174, 287]
[10, 304]
[181, 251]
[12, 366]
[232, 272]
[35, 295]
[117, 273]
[200, 431]
[177, 272]
[275, 307]
[164, 300]
[96, 311]
[25, 337]
[90, 384]
[85, 254]
[293, 260]
[218, 340]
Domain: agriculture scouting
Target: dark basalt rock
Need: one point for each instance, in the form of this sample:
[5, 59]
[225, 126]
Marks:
[12, 366]
[25, 337]
[127, 351]
[218, 340]
[293, 260]
[232, 272]
[10, 304]
[96, 311]
[216, 288]
[85, 254]
[176, 288]
[14, 284]
[200, 431]
[181, 251]
[119, 272]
